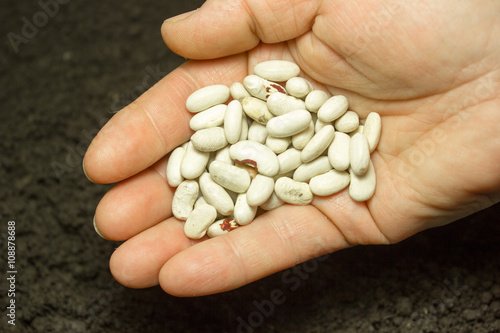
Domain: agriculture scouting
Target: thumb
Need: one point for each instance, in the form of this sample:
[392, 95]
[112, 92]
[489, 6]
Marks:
[225, 27]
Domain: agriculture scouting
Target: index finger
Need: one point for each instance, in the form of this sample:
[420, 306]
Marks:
[154, 124]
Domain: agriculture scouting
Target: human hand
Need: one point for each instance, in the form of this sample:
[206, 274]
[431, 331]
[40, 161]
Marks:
[431, 70]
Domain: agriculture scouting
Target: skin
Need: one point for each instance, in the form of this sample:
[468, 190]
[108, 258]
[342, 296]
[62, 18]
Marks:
[430, 69]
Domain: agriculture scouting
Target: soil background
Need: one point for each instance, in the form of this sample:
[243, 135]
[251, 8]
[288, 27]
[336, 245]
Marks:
[60, 82]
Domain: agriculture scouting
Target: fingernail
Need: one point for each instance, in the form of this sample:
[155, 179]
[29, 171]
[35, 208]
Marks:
[97, 230]
[180, 17]
[85, 172]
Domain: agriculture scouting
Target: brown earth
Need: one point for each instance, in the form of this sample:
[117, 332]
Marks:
[61, 80]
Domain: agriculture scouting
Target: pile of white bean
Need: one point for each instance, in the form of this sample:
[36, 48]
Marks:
[298, 142]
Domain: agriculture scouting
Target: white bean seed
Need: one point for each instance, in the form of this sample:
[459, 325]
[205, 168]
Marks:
[329, 183]
[300, 140]
[256, 109]
[319, 124]
[184, 198]
[207, 97]
[223, 156]
[211, 117]
[348, 122]
[338, 152]
[222, 227]
[333, 108]
[198, 222]
[277, 70]
[308, 170]
[277, 145]
[289, 160]
[298, 87]
[238, 91]
[243, 213]
[244, 128]
[293, 192]
[232, 121]
[357, 130]
[272, 203]
[261, 88]
[229, 176]
[260, 190]
[200, 201]
[209, 139]
[359, 154]
[318, 144]
[289, 124]
[216, 195]
[279, 104]
[194, 162]
[174, 176]
[362, 187]
[372, 130]
[256, 155]
[257, 132]
[315, 99]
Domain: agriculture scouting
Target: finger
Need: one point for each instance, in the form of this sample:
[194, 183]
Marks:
[137, 262]
[135, 204]
[274, 241]
[225, 27]
[149, 128]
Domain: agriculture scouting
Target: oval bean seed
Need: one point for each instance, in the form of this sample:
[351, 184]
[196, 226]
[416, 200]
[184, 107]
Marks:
[277, 70]
[362, 187]
[216, 195]
[348, 122]
[199, 220]
[194, 162]
[260, 190]
[257, 155]
[206, 97]
[256, 109]
[243, 212]
[211, 117]
[232, 121]
[308, 170]
[221, 227]
[315, 99]
[333, 108]
[300, 140]
[209, 139]
[289, 160]
[257, 132]
[174, 175]
[372, 130]
[329, 183]
[279, 103]
[298, 87]
[229, 176]
[289, 124]
[293, 192]
[318, 144]
[359, 154]
[184, 198]
[338, 152]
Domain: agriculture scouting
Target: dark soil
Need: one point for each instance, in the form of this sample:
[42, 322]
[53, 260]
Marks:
[66, 78]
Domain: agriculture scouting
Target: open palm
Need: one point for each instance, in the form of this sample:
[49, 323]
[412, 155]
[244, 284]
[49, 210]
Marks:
[431, 70]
